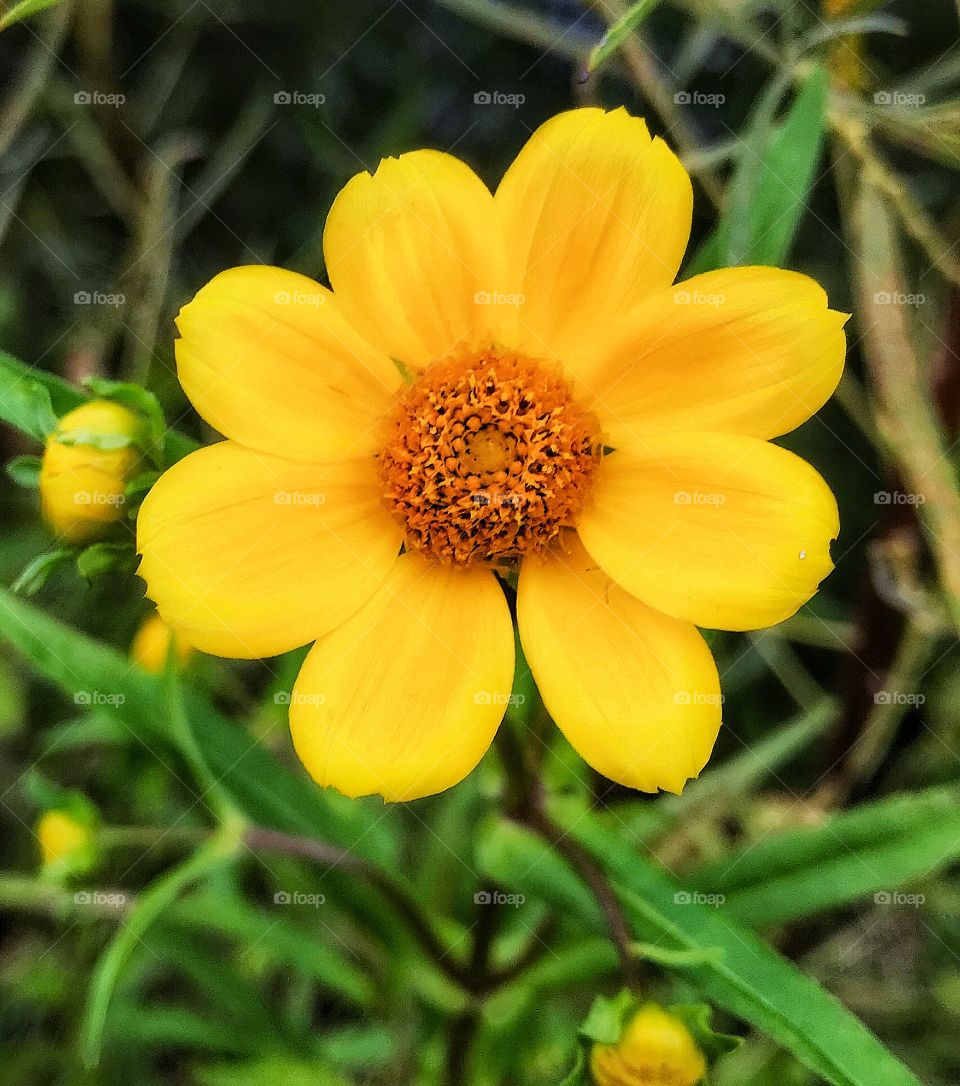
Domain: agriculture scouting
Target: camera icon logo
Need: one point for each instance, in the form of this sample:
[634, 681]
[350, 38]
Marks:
[281, 98]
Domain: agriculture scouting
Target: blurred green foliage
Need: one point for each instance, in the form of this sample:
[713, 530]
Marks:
[243, 926]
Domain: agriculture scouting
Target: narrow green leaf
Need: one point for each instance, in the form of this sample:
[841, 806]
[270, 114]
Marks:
[154, 901]
[772, 182]
[868, 852]
[266, 791]
[619, 32]
[751, 981]
[40, 570]
[24, 10]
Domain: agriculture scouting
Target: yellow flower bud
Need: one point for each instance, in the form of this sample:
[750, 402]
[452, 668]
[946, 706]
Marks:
[81, 485]
[656, 1048]
[61, 837]
[152, 641]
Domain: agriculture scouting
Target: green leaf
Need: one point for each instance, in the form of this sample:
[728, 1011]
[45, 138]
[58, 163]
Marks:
[102, 558]
[283, 941]
[25, 471]
[268, 1071]
[619, 31]
[751, 981]
[31, 400]
[771, 184]
[266, 791]
[607, 1017]
[149, 906]
[40, 570]
[25, 401]
[850, 857]
[24, 10]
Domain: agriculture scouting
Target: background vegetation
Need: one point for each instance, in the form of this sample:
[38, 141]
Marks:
[239, 925]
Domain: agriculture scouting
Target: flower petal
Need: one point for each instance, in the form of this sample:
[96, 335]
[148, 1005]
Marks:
[744, 350]
[411, 251]
[404, 698]
[248, 555]
[268, 359]
[716, 529]
[596, 217]
[635, 692]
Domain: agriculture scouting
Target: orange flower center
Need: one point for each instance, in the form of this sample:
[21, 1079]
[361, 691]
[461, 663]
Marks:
[487, 457]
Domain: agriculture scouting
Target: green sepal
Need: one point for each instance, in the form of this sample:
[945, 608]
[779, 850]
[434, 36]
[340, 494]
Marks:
[607, 1018]
[143, 403]
[25, 471]
[105, 558]
[696, 1017]
[577, 1075]
[103, 442]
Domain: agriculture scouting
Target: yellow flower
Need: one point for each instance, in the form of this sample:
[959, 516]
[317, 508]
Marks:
[498, 383]
[656, 1049]
[86, 465]
[152, 642]
[62, 837]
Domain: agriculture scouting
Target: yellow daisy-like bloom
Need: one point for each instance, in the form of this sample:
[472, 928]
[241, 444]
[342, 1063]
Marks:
[656, 1049]
[151, 643]
[497, 383]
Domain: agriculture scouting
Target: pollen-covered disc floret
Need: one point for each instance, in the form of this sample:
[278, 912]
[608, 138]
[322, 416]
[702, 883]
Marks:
[487, 458]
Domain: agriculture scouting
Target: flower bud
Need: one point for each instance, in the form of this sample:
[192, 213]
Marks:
[655, 1048]
[87, 463]
[64, 841]
[152, 642]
